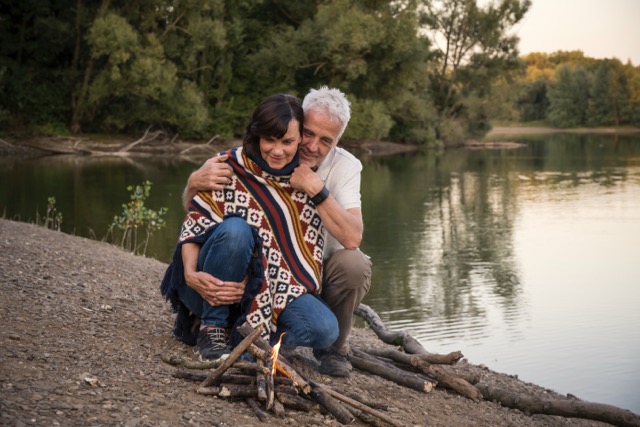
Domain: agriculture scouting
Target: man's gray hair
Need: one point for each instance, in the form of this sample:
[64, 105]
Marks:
[332, 102]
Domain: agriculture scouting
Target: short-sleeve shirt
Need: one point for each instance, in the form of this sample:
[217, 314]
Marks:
[340, 171]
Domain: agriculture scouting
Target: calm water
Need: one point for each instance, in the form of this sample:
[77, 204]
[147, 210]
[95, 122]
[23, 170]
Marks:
[526, 260]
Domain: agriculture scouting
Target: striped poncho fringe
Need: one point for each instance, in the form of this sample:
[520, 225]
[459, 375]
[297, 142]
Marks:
[288, 224]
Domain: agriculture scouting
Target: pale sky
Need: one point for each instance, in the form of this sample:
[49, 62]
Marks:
[599, 28]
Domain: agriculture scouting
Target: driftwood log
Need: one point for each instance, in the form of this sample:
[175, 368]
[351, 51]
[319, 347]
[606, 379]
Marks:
[571, 408]
[400, 338]
[529, 405]
[444, 378]
[364, 362]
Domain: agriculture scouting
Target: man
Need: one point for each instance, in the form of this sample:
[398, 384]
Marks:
[331, 176]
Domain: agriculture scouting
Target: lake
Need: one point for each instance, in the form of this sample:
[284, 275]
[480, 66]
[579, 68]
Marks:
[524, 259]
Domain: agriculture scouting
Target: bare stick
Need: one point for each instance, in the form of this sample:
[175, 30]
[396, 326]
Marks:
[358, 405]
[365, 362]
[444, 378]
[261, 382]
[402, 338]
[334, 407]
[190, 364]
[412, 359]
[235, 354]
[278, 409]
[283, 368]
[268, 379]
[295, 402]
[262, 416]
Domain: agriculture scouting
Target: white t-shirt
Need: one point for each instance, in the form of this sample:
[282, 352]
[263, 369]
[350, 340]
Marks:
[340, 172]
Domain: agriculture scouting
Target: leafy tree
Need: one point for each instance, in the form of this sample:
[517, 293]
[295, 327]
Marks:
[569, 97]
[609, 94]
[474, 49]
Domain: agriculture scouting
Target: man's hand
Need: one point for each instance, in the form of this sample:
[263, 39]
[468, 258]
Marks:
[305, 179]
[213, 175]
[215, 291]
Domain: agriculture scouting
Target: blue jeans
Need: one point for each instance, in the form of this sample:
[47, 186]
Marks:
[308, 322]
[225, 255]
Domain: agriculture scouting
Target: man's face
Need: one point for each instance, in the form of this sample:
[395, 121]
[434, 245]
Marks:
[319, 136]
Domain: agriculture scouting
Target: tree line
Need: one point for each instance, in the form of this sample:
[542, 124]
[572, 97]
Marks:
[416, 71]
[567, 89]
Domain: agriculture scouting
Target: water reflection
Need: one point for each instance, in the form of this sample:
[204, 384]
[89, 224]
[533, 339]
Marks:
[524, 259]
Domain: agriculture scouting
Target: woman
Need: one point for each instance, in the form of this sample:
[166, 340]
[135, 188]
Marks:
[259, 229]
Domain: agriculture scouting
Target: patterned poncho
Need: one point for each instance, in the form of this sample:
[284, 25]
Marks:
[288, 229]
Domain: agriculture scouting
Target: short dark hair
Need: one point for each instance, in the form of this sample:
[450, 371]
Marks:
[271, 119]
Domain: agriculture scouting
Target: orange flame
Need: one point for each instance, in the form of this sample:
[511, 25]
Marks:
[274, 354]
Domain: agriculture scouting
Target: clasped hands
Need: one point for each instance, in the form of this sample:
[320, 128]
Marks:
[215, 291]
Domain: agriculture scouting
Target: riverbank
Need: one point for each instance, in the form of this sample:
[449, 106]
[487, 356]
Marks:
[84, 327]
[524, 130]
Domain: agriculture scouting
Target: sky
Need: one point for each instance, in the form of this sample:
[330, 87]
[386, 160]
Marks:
[599, 28]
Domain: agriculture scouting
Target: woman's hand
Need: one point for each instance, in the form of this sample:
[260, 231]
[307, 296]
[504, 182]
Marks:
[213, 290]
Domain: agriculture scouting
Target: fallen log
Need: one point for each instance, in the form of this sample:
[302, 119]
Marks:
[563, 407]
[400, 338]
[365, 362]
[358, 405]
[443, 377]
[335, 408]
[295, 402]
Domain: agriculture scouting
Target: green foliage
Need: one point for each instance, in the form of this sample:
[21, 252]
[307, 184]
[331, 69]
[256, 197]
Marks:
[52, 218]
[474, 50]
[137, 217]
[569, 98]
[370, 120]
[568, 89]
[198, 67]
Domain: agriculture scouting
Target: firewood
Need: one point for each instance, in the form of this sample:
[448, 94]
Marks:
[366, 418]
[261, 382]
[294, 402]
[208, 391]
[190, 364]
[444, 378]
[358, 405]
[278, 409]
[235, 354]
[360, 398]
[283, 368]
[335, 408]
[268, 380]
[562, 407]
[365, 362]
[238, 390]
[262, 416]
[242, 390]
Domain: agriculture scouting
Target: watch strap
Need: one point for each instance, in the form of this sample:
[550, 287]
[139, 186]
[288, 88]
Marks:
[321, 196]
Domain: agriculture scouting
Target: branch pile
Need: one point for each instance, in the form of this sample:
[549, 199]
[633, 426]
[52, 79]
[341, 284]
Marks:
[269, 391]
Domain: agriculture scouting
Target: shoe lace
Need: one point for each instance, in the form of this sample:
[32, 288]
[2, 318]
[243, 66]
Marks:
[216, 335]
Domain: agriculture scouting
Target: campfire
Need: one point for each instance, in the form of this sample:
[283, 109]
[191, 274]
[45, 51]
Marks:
[270, 384]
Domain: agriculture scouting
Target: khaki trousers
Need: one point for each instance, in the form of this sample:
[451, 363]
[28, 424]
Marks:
[346, 280]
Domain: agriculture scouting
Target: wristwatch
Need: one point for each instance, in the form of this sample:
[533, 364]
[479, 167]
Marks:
[321, 196]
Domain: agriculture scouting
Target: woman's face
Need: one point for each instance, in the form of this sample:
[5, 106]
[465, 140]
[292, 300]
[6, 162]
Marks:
[278, 152]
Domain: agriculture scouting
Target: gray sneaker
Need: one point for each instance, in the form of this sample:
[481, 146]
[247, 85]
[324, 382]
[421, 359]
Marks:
[332, 363]
[212, 343]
